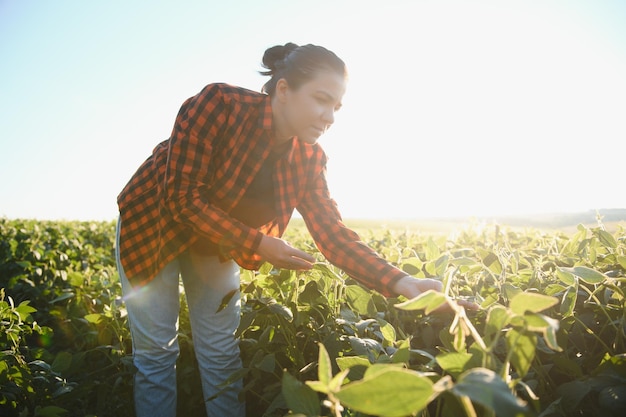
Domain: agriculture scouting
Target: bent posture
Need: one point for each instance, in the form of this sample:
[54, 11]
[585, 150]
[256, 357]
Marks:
[216, 197]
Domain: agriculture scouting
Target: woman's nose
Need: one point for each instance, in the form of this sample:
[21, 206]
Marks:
[329, 117]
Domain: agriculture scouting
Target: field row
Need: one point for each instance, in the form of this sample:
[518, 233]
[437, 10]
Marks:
[549, 339]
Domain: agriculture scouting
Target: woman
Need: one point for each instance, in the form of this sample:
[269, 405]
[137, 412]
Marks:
[216, 196]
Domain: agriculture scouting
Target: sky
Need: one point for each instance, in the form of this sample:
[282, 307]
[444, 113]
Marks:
[453, 108]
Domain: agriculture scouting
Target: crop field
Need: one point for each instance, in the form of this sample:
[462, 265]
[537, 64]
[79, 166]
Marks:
[549, 339]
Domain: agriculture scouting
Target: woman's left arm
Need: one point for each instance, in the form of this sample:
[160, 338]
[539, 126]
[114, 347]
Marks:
[344, 249]
[341, 245]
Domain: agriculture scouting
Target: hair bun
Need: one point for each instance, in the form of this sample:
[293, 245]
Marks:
[298, 65]
[275, 55]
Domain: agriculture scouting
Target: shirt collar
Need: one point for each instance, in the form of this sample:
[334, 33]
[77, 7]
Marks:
[266, 114]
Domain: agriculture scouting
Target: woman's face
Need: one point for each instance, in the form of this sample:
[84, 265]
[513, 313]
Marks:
[308, 111]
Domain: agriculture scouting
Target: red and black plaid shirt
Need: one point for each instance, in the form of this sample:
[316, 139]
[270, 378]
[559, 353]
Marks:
[184, 191]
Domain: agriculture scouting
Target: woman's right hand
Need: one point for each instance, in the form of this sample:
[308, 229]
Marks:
[282, 255]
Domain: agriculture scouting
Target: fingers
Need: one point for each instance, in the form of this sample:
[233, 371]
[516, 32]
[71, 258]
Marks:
[430, 284]
[298, 254]
[282, 255]
[295, 259]
[291, 258]
[299, 264]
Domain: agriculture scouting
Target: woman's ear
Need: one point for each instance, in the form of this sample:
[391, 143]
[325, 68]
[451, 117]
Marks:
[282, 89]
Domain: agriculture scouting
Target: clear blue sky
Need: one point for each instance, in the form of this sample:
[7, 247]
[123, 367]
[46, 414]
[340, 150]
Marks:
[453, 107]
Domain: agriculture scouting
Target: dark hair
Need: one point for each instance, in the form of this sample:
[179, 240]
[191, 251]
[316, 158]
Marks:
[298, 64]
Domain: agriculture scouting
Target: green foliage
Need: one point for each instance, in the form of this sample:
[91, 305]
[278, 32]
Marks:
[68, 340]
[549, 339]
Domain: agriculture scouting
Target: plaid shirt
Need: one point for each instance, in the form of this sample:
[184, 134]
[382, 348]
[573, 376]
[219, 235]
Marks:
[184, 191]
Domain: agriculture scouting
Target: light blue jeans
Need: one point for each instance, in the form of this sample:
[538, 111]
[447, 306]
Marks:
[153, 316]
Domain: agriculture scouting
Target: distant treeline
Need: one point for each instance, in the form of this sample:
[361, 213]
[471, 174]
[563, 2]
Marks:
[558, 220]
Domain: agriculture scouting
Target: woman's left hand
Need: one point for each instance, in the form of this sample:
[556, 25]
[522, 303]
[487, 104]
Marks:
[411, 287]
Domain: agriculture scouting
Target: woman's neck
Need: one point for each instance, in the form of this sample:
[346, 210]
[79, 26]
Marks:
[280, 134]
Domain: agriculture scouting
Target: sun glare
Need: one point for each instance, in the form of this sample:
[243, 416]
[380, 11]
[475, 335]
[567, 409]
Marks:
[485, 110]
[452, 107]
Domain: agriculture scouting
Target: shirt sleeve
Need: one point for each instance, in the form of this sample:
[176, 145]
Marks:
[199, 125]
[341, 245]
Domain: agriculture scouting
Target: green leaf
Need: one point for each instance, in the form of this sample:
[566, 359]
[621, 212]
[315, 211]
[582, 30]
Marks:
[281, 310]
[311, 294]
[93, 318]
[392, 392]
[300, 398]
[226, 299]
[347, 362]
[545, 325]
[551, 340]
[491, 261]
[387, 330]
[379, 369]
[337, 380]
[463, 261]
[360, 300]
[403, 354]
[62, 362]
[334, 384]
[431, 250]
[522, 345]
[572, 393]
[76, 279]
[590, 276]
[459, 338]
[568, 303]
[565, 276]
[267, 336]
[510, 290]
[497, 318]
[24, 310]
[622, 261]
[431, 268]
[366, 346]
[318, 386]
[267, 364]
[533, 302]
[41, 364]
[607, 239]
[62, 297]
[538, 322]
[553, 289]
[412, 266]
[429, 300]
[441, 264]
[485, 387]
[454, 362]
[324, 366]
[568, 366]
